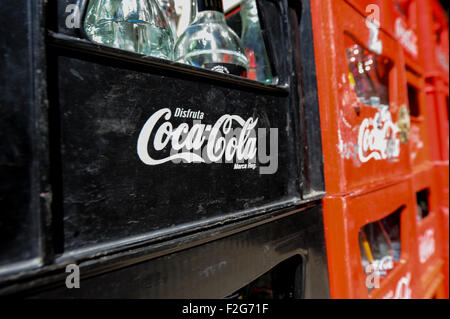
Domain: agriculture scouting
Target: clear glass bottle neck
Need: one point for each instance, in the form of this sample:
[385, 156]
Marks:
[210, 16]
[249, 13]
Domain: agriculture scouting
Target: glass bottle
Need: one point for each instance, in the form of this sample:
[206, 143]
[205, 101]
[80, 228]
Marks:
[133, 25]
[383, 67]
[168, 7]
[253, 42]
[186, 11]
[194, 11]
[209, 43]
[370, 68]
[361, 81]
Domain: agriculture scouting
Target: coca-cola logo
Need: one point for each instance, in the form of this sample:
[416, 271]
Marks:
[221, 69]
[406, 37]
[426, 246]
[402, 290]
[377, 269]
[231, 139]
[378, 138]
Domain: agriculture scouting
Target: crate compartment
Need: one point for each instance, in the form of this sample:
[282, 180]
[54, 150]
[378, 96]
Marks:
[344, 219]
[67, 18]
[365, 139]
[437, 97]
[420, 122]
[429, 230]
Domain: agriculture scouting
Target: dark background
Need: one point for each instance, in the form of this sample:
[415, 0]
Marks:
[445, 5]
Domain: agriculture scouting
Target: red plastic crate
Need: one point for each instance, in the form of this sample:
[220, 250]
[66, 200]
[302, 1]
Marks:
[444, 218]
[344, 217]
[434, 38]
[401, 21]
[442, 178]
[419, 139]
[437, 96]
[429, 228]
[365, 7]
[362, 146]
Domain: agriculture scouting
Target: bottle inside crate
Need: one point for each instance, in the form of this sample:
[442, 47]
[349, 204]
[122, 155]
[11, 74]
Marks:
[253, 42]
[133, 25]
[210, 43]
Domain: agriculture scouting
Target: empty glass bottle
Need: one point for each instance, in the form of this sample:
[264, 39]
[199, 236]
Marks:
[168, 7]
[253, 42]
[187, 11]
[194, 11]
[370, 68]
[209, 43]
[134, 25]
[364, 87]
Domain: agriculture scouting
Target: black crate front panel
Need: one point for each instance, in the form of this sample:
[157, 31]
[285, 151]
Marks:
[110, 193]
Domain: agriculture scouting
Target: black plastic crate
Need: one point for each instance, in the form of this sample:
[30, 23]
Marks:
[24, 188]
[216, 269]
[88, 191]
[105, 96]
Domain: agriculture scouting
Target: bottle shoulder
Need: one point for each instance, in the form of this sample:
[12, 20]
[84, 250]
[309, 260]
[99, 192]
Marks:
[210, 35]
